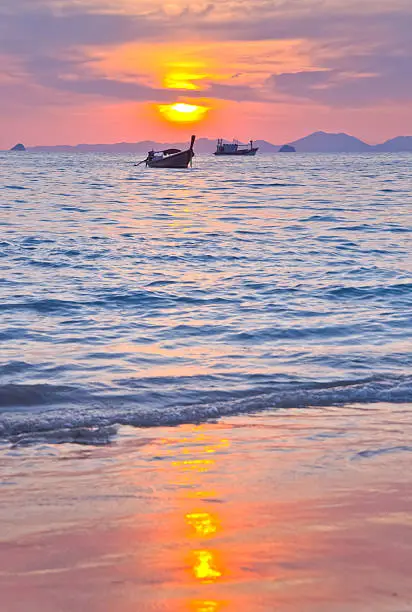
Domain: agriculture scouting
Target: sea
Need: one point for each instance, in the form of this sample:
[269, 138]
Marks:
[145, 298]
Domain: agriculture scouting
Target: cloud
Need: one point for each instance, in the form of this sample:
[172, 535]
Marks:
[112, 88]
[235, 93]
[126, 90]
[38, 26]
[42, 31]
[360, 54]
[78, 74]
[73, 76]
[354, 82]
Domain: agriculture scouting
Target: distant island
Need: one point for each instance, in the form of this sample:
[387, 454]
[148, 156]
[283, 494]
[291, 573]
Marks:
[318, 142]
[287, 149]
[18, 147]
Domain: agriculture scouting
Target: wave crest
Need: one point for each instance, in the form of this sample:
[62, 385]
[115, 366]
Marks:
[62, 412]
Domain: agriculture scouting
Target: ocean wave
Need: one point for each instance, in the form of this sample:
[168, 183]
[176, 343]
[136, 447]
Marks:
[42, 306]
[372, 453]
[397, 289]
[15, 187]
[70, 410]
[108, 298]
[26, 395]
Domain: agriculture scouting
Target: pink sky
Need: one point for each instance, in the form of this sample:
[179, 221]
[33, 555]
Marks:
[100, 70]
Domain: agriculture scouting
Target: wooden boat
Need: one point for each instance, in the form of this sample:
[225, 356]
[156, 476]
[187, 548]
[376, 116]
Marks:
[171, 158]
[235, 148]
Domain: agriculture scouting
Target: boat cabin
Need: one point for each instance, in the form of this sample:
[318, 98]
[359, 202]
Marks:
[223, 147]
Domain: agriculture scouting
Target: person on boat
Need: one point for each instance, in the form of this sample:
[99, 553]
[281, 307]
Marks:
[152, 155]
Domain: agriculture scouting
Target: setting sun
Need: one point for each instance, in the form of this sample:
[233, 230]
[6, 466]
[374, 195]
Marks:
[183, 113]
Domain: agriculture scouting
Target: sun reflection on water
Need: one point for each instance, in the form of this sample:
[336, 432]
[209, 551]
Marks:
[206, 606]
[196, 465]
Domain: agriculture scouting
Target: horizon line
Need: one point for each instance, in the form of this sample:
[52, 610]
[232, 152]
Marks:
[120, 142]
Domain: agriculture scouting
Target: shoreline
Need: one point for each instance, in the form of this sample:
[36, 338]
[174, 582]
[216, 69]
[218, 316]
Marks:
[291, 510]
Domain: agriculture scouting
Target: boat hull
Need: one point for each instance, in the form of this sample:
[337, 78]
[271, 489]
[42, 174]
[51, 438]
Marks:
[178, 160]
[241, 153]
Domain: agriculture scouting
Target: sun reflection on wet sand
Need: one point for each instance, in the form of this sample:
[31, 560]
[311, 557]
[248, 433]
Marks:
[182, 520]
[205, 566]
[205, 558]
[203, 523]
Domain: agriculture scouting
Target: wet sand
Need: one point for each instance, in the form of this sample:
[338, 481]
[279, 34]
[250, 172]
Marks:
[298, 510]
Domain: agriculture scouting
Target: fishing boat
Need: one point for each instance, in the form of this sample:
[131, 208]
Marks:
[170, 158]
[235, 148]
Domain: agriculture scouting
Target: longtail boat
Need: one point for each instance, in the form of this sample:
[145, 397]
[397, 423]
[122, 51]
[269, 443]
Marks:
[170, 158]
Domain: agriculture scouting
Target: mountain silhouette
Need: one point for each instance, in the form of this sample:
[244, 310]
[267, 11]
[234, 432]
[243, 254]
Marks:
[398, 144]
[18, 147]
[323, 142]
[318, 142]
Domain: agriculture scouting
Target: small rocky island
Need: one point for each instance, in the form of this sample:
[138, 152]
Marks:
[18, 147]
[287, 149]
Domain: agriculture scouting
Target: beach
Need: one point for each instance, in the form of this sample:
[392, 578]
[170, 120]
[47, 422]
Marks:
[287, 510]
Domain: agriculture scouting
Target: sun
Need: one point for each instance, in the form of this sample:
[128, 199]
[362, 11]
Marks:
[180, 112]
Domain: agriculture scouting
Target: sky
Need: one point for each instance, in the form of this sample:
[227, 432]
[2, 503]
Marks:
[100, 71]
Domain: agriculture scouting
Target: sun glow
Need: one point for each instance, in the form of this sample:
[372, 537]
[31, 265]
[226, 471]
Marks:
[205, 606]
[183, 80]
[182, 112]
